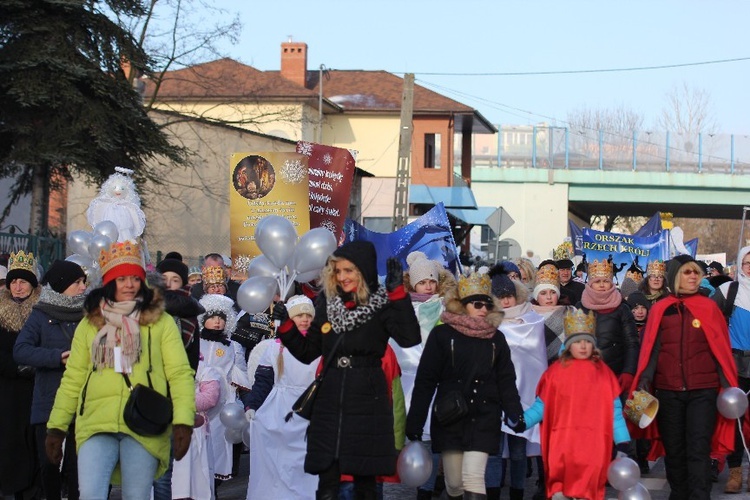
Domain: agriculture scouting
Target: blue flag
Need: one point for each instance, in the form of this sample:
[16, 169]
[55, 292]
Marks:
[430, 234]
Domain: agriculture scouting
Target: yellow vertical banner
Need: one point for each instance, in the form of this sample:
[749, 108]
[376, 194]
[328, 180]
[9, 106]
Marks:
[261, 184]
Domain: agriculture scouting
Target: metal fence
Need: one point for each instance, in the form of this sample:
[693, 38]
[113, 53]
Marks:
[45, 247]
[565, 148]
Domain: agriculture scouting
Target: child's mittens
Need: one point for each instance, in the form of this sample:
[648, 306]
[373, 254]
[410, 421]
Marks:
[250, 415]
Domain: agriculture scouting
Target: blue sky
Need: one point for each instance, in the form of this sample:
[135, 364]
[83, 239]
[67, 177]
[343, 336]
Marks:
[455, 39]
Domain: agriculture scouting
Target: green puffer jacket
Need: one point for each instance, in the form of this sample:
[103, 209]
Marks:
[106, 393]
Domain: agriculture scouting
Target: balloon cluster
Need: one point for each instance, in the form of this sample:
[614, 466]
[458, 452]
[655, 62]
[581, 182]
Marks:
[87, 245]
[624, 475]
[284, 261]
[237, 428]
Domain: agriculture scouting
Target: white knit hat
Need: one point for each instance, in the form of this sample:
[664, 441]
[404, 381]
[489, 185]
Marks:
[422, 268]
[300, 304]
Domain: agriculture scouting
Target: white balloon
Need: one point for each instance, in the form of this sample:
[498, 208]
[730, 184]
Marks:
[414, 464]
[623, 473]
[261, 266]
[276, 236]
[233, 416]
[78, 242]
[637, 492]
[312, 250]
[732, 402]
[256, 294]
[107, 228]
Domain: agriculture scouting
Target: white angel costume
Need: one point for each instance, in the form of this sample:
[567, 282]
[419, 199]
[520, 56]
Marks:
[220, 354]
[277, 446]
[193, 476]
[118, 201]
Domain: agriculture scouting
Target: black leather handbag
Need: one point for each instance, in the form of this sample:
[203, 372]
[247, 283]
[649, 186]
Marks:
[450, 408]
[147, 412]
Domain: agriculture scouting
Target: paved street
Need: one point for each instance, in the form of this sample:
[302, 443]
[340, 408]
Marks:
[656, 483]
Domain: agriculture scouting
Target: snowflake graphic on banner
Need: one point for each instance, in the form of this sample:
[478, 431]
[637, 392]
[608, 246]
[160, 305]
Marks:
[305, 148]
[293, 171]
[327, 158]
[329, 224]
[241, 262]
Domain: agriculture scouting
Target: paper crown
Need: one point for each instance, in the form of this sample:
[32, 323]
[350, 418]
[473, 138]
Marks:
[22, 261]
[641, 408]
[656, 268]
[474, 284]
[599, 269]
[214, 275]
[547, 274]
[119, 253]
[578, 322]
[563, 251]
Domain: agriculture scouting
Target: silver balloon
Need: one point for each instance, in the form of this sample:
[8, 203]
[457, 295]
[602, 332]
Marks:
[637, 492]
[107, 228]
[276, 236]
[246, 436]
[732, 402]
[84, 261]
[261, 266]
[312, 250]
[307, 277]
[232, 415]
[414, 464]
[233, 436]
[623, 473]
[256, 294]
[98, 243]
[78, 242]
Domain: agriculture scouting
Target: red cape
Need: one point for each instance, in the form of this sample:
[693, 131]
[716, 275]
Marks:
[715, 327]
[577, 427]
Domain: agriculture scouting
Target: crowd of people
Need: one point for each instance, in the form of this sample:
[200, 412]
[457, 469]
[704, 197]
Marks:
[498, 369]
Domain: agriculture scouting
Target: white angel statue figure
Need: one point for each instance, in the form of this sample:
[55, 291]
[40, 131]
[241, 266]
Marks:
[118, 201]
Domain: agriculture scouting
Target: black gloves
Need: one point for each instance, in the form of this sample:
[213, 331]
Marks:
[517, 425]
[414, 437]
[394, 274]
[280, 313]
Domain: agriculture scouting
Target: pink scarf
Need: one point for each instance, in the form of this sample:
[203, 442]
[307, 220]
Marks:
[122, 330]
[469, 325]
[596, 301]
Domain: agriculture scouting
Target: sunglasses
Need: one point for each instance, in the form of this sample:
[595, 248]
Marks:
[690, 271]
[479, 304]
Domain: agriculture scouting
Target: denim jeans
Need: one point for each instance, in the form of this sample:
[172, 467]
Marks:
[163, 485]
[97, 458]
[517, 455]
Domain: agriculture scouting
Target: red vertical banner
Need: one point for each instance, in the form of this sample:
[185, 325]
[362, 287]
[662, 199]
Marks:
[330, 173]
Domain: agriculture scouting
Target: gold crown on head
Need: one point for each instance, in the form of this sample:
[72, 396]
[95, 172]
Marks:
[656, 268]
[579, 322]
[474, 284]
[118, 253]
[22, 261]
[599, 269]
[214, 275]
[563, 251]
[547, 274]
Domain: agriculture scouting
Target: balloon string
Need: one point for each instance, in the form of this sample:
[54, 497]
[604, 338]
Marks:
[742, 434]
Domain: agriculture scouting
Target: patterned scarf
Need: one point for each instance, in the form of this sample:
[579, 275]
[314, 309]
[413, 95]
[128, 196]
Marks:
[469, 325]
[596, 301]
[121, 329]
[344, 319]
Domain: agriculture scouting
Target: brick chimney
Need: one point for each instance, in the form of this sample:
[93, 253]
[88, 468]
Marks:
[294, 61]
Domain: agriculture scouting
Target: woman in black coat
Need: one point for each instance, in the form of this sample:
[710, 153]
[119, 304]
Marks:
[351, 428]
[44, 343]
[468, 354]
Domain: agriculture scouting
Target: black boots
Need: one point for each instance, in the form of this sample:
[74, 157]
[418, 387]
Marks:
[328, 494]
[493, 493]
[470, 495]
[516, 494]
[424, 494]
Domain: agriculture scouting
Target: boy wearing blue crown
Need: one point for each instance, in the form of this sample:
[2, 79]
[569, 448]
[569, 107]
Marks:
[578, 396]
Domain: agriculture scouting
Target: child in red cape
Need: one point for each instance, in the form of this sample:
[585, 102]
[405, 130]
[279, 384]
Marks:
[577, 399]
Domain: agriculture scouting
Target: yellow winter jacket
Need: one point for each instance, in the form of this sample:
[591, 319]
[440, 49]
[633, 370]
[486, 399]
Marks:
[97, 398]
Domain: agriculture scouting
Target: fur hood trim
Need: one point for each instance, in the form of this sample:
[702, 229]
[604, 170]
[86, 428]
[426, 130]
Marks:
[445, 283]
[148, 316]
[14, 314]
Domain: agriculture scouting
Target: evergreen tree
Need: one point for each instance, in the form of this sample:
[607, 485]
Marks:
[66, 104]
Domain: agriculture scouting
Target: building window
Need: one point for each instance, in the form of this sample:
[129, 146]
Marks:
[432, 151]
[379, 224]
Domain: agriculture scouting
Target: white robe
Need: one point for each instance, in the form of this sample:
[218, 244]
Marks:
[193, 476]
[221, 357]
[278, 447]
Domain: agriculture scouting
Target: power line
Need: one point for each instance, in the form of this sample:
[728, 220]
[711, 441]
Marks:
[583, 71]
